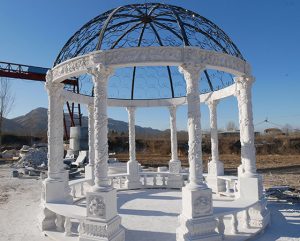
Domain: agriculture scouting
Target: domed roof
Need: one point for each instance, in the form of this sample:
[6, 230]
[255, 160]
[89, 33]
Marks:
[151, 24]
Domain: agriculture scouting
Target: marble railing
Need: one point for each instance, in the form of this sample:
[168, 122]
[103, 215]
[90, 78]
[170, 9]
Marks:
[233, 217]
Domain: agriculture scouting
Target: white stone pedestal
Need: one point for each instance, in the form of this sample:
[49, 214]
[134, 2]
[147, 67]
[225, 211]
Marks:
[103, 222]
[54, 191]
[175, 179]
[215, 169]
[217, 185]
[196, 220]
[133, 179]
[250, 187]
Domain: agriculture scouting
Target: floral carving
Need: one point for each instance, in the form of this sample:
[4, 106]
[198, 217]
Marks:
[146, 55]
[203, 206]
[96, 207]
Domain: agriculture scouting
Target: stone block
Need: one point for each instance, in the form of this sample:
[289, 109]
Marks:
[102, 231]
[250, 188]
[101, 205]
[175, 181]
[217, 185]
[196, 203]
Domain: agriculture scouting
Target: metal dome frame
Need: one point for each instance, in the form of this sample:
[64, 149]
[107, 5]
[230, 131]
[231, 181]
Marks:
[169, 25]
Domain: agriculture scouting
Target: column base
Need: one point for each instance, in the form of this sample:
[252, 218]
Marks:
[196, 220]
[133, 179]
[174, 166]
[103, 222]
[215, 168]
[217, 185]
[250, 188]
[175, 181]
[57, 190]
[102, 231]
[197, 229]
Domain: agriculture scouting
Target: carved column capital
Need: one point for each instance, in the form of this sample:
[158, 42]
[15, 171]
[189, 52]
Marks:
[49, 76]
[131, 110]
[172, 110]
[212, 104]
[100, 72]
[243, 82]
[191, 71]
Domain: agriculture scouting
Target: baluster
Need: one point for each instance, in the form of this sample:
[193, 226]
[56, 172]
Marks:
[164, 180]
[81, 189]
[227, 186]
[234, 224]
[236, 186]
[73, 191]
[80, 228]
[154, 180]
[59, 223]
[120, 182]
[221, 226]
[114, 181]
[68, 226]
[246, 217]
[145, 180]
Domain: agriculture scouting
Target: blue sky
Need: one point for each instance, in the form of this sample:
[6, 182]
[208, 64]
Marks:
[266, 32]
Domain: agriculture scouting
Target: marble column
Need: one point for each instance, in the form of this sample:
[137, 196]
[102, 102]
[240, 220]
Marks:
[250, 183]
[175, 179]
[101, 202]
[133, 179]
[244, 97]
[215, 166]
[100, 76]
[90, 168]
[56, 187]
[197, 209]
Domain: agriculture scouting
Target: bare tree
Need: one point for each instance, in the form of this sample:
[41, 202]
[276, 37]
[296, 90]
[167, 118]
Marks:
[6, 102]
[231, 126]
[287, 129]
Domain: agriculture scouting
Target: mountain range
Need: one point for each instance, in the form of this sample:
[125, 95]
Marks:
[35, 123]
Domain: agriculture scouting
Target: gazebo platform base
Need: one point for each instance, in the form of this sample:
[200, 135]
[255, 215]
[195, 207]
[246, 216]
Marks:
[152, 214]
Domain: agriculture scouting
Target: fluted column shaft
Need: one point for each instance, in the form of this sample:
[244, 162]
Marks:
[100, 75]
[55, 129]
[191, 74]
[131, 126]
[244, 97]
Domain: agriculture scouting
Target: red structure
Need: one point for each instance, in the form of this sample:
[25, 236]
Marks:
[27, 72]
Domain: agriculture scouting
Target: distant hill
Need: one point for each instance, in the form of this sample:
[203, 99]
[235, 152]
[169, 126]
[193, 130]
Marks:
[35, 123]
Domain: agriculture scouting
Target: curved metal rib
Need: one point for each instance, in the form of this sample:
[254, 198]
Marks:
[98, 46]
[168, 67]
[124, 34]
[134, 68]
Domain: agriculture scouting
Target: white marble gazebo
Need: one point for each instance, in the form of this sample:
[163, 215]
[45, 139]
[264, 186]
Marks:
[202, 216]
